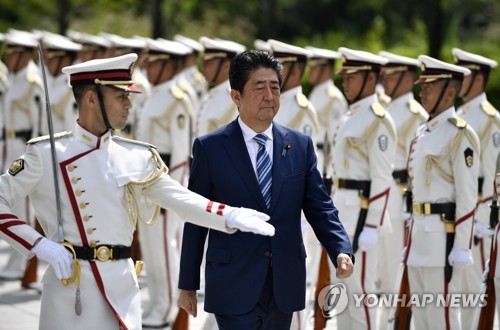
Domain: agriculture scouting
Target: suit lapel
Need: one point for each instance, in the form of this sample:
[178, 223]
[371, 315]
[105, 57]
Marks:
[237, 150]
[280, 159]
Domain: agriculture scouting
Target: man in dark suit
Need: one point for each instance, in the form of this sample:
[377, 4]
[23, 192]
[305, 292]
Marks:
[255, 282]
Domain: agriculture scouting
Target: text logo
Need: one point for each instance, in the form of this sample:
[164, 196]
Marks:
[333, 299]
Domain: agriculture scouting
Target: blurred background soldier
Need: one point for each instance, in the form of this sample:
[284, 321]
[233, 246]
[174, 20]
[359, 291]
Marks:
[330, 104]
[398, 78]
[93, 47]
[485, 120]
[60, 51]
[364, 146]
[24, 105]
[298, 113]
[164, 122]
[217, 108]
[443, 169]
[121, 46]
[4, 86]
[191, 71]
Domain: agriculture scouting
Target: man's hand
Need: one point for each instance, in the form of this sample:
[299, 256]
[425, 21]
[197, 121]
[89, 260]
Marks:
[56, 255]
[345, 266]
[188, 302]
[249, 220]
[459, 258]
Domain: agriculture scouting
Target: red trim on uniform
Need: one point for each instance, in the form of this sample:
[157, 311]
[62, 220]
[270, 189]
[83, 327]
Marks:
[484, 200]
[446, 306]
[382, 194]
[81, 230]
[178, 166]
[363, 273]
[220, 209]
[4, 228]
[209, 206]
[465, 217]
[481, 253]
[493, 257]
[113, 75]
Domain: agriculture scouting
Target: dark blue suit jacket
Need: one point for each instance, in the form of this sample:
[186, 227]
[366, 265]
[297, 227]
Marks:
[237, 264]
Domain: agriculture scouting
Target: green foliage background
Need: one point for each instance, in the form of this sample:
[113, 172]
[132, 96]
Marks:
[407, 28]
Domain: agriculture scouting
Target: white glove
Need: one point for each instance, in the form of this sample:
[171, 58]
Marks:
[486, 272]
[482, 230]
[368, 238]
[249, 220]
[56, 255]
[459, 258]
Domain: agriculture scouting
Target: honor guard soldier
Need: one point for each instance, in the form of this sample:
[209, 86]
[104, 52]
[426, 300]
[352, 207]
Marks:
[93, 47]
[485, 120]
[296, 110]
[398, 78]
[107, 184]
[191, 72]
[24, 119]
[443, 168]
[363, 154]
[298, 113]
[60, 51]
[4, 86]
[217, 108]
[165, 122]
[121, 46]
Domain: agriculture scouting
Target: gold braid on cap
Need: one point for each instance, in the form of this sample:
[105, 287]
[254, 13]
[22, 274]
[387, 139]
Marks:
[112, 82]
[134, 213]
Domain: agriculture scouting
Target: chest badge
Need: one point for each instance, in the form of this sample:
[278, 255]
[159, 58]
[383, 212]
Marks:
[383, 141]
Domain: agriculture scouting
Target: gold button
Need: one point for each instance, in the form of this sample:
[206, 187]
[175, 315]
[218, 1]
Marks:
[83, 205]
[90, 230]
[74, 180]
[78, 192]
[86, 218]
[71, 168]
[92, 243]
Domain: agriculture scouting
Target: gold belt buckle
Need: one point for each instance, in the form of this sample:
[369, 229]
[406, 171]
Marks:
[10, 134]
[103, 253]
[417, 208]
[336, 183]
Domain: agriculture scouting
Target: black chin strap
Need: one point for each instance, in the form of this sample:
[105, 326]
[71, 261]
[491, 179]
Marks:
[365, 78]
[289, 73]
[103, 110]
[440, 98]
[216, 75]
[400, 79]
[472, 77]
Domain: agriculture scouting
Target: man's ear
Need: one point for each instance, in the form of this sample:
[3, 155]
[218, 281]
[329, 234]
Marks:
[236, 97]
[90, 98]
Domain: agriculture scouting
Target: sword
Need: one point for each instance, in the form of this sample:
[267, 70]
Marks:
[60, 231]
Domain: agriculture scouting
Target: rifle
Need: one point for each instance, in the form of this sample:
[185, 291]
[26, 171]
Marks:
[485, 317]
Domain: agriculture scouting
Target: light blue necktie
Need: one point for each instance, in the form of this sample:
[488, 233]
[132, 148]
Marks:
[264, 166]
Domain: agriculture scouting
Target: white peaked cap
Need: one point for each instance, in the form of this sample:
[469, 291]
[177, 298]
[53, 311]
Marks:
[434, 69]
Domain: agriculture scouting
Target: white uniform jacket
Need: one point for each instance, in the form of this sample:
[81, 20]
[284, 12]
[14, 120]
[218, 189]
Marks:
[62, 103]
[443, 168]
[24, 108]
[93, 175]
[298, 113]
[330, 105]
[363, 149]
[166, 123]
[217, 109]
[485, 120]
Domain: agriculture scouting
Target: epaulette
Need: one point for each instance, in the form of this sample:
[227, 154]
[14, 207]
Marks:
[488, 109]
[414, 106]
[302, 100]
[199, 76]
[176, 92]
[47, 137]
[458, 122]
[332, 92]
[378, 110]
[183, 85]
[136, 142]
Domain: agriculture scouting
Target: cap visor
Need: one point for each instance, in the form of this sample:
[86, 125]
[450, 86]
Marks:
[127, 88]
